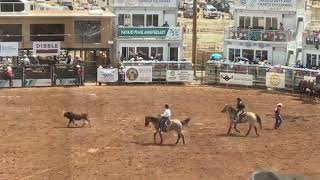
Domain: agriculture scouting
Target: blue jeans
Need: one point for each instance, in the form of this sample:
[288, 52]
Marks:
[278, 122]
[163, 123]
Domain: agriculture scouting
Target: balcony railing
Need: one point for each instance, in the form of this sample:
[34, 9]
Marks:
[311, 39]
[150, 32]
[259, 35]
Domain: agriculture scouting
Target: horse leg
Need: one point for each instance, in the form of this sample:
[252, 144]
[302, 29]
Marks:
[70, 120]
[255, 129]
[161, 141]
[235, 128]
[183, 138]
[178, 138]
[228, 133]
[249, 130]
[154, 137]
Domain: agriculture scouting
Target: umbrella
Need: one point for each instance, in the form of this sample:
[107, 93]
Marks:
[216, 56]
[243, 59]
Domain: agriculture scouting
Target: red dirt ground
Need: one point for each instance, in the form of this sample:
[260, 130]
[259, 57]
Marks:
[35, 144]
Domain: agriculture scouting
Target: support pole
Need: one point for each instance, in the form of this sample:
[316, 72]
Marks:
[194, 36]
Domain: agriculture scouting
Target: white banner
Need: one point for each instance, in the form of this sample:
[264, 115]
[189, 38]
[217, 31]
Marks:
[65, 81]
[138, 73]
[309, 78]
[284, 5]
[239, 79]
[15, 83]
[107, 75]
[9, 49]
[145, 3]
[275, 80]
[37, 82]
[46, 48]
[179, 75]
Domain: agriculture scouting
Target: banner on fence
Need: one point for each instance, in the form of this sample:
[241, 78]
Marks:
[9, 48]
[65, 81]
[138, 73]
[15, 83]
[179, 75]
[239, 79]
[107, 75]
[37, 82]
[46, 48]
[309, 78]
[275, 80]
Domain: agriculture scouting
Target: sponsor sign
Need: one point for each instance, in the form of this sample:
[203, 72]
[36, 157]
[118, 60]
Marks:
[138, 74]
[239, 79]
[37, 82]
[107, 75]
[46, 48]
[15, 83]
[65, 81]
[157, 32]
[9, 48]
[275, 80]
[179, 75]
[145, 3]
[284, 5]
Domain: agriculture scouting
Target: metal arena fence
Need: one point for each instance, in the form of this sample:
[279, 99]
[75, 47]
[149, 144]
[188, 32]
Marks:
[42, 76]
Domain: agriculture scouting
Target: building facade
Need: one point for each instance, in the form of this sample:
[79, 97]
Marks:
[266, 30]
[147, 29]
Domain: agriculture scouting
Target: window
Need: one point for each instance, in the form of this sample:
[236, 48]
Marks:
[143, 52]
[271, 23]
[308, 64]
[10, 32]
[87, 31]
[12, 7]
[152, 20]
[138, 19]
[127, 53]
[174, 53]
[124, 19]
[244, 22]
[47, 32]
[248, 53]
[157, 53]
[261, 55]
[258, 23]
[233, 54]
[313, 60]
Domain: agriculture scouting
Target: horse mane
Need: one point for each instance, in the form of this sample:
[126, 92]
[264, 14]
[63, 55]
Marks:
[230, 107]
[152, 118]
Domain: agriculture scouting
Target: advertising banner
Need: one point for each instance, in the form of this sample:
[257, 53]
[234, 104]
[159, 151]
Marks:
[138, 74]
[179, 75]
[284, 5]
[152, 32]
[65, 81]
[275, 80]
[9, 49]
[239, 79]
[107, 75]
[15, 82]
[37, 82]
[46, 48]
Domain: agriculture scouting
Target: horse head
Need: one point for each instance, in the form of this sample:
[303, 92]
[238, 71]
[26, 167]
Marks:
[146, 121]
[225, 108]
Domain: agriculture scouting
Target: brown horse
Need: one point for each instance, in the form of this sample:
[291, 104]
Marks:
[307, 84]
[248, 117]
[173, 124]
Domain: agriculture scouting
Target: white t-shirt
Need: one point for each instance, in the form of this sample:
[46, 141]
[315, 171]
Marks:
[167, 113]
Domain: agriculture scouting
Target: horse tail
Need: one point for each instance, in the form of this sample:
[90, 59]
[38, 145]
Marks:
[259, 120]
[185, 122]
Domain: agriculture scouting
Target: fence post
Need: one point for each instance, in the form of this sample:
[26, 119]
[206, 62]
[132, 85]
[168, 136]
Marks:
[23, 76]
[293, 80]
[52, 74]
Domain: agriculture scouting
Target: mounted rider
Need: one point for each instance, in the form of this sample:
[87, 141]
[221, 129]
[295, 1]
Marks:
[165, 117]
[240, 110]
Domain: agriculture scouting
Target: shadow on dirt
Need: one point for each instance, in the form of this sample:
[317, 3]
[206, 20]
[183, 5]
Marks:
[152, 144]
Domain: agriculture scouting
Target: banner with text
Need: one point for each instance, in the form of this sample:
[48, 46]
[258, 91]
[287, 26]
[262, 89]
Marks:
[9, 49]
[275, 80]
[145, 3]
[15, 83]
[138, 73]
[239, 79]
[46, 48]
[179, 75]
[107, 75]
[156, 32]
[284, 5]
[37, 82]
[65, 81]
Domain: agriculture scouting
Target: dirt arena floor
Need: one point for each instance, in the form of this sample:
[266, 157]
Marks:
[35, 144]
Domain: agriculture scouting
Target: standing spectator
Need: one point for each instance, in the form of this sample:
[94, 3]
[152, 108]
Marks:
[166, 24]
[281, 27]
[69, 59]
[26, 60]
[278, 116]
[121, 74]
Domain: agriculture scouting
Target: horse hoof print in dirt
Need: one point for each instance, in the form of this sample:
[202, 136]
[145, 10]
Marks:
[73, 117]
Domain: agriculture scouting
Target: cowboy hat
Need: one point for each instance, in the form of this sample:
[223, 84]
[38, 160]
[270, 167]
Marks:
[280, 104]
